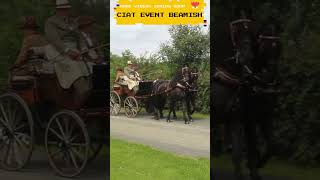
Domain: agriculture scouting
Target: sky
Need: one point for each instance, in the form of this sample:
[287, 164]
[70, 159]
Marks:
[140, 39]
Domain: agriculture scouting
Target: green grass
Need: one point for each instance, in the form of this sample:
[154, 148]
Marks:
[276, 168]
[139, 162]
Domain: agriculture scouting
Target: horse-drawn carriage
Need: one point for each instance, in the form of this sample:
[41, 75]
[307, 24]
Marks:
[131, 101]
[35, 110]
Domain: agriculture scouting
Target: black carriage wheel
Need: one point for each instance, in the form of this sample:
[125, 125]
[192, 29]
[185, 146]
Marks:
[16, 132]
[131, 106]
[67, 143]
[139, 109]
[115, 103]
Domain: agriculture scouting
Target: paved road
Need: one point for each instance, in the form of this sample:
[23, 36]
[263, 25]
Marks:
[191, 139]
[39, 169]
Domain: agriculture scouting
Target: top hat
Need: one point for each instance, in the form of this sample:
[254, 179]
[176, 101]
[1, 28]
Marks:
[63, 4]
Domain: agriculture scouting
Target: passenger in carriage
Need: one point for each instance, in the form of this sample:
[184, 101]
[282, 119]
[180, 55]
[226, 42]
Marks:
[121, 78]
[31, 38]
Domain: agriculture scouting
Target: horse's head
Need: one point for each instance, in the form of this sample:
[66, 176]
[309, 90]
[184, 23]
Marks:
[269, 50]
[185, 74]
[194, 75]
[243, 33]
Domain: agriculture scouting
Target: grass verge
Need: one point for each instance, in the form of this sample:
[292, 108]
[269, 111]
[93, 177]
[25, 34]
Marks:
[140, 162]
[276, 168]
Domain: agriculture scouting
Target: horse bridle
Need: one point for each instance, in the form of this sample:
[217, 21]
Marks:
[232, 29]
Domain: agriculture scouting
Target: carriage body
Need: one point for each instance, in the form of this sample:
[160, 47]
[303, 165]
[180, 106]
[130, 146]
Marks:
[131, 100]
[35, 107]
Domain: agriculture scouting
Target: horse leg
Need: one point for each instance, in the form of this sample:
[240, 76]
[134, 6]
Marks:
[237, 154]
[155, 108]
[252, 151]
[185, 112]
[174, 114]
[189, 104]
[156, 113]
[161, 113]
[266, 130]
[171, 104]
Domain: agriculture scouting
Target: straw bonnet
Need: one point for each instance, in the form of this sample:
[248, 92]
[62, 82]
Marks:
[63, 4]
[28, 22]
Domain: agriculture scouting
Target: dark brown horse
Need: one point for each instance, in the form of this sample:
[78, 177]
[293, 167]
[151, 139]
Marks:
[237, 102]
[173, 91]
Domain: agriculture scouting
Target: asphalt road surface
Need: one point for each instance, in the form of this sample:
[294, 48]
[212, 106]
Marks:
[39, 169]
[184, 139]
[176, 137]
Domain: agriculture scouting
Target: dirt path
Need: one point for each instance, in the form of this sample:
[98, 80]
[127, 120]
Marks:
[191, 139]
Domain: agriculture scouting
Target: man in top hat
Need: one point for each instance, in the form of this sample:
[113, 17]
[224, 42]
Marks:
[62, 33]
[31, 38]
[130, 71]
[133, 76]
[61, 30]
[88, 42]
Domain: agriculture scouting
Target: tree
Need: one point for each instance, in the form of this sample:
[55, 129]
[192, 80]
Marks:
[189, 44]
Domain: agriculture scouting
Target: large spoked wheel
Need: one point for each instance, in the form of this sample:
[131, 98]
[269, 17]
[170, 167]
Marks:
[67, 143]
[115, 103]
[16, 132]
[131, 106]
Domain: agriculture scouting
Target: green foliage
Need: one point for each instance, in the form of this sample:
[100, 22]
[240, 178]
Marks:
[191, 45]
[299, 110]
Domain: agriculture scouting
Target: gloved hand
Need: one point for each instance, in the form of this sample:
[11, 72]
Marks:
[74, 55]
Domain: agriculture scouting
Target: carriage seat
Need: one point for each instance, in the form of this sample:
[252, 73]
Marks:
[22, 82]
[23, 78]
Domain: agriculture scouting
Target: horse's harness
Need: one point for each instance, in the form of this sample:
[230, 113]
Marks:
[187, 87]
[223, 75]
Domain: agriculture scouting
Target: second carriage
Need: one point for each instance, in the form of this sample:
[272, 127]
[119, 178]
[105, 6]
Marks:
[132, 102]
